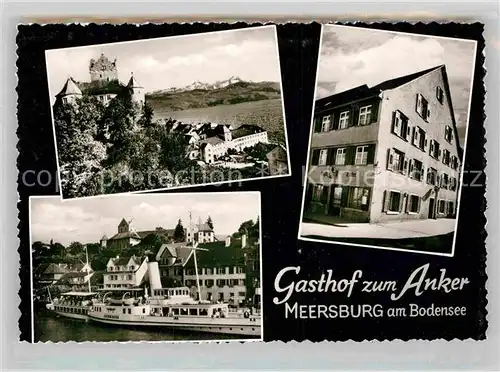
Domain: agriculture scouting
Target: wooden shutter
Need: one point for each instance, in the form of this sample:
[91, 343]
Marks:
[419, 204]
[394, 118]
[317, 124]
[315, 157]
[371, 154]
[408, 131]
[408, 204]
[401, 201]
[355, 115]
[405, 167]
[386, 200]
[418, 104]
[344, 196]
[374, 114]
[335, 120]
[350, 155]
[330, 156]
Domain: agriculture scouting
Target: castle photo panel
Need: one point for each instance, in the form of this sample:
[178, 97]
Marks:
[388, 138]
[168, 113]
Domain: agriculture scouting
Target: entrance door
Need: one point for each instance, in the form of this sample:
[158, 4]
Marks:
[432, 212]
[335, 201]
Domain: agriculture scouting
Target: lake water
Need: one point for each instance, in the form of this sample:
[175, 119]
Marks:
[50, 327]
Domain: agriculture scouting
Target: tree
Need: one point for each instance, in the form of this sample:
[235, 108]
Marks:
[146, 119]
[179, 233]
[76, 248]
[210, 223]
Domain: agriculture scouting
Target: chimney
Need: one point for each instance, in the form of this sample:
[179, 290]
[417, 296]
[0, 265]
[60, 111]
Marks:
[243, 241]
[228, 241]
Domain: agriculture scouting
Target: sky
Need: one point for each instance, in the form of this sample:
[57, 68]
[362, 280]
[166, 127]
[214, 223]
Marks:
[353, 56]
[87, 220]
[162, 63]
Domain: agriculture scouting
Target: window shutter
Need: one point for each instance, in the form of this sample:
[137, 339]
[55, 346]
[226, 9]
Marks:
[428, 114]
[402, 201]
[330, 156]
[419, 204]
[408, 132]
[408, 204]
[344, 195]
[410, 167]
[335, 120]
[374, 114]
[350, 155]
[317, 124]
[385, 201]
[371, 154]
[425, 144]
[394, 119]
[405, 167]
[354, 116]
[315, 157]
[331, 123]
[390, 156]
[418, 105]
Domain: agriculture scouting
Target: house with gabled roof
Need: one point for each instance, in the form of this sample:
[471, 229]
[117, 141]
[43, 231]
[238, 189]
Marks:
[124, 273]
[390, 152]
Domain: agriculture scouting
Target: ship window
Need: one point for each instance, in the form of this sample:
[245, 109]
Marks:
[123, 311]
[129, 311]
[175, 311]
[193, 312]
[184, 312]
[203, 312]
[144, 310]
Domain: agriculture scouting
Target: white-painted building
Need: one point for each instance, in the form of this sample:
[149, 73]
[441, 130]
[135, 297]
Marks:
[125, 272]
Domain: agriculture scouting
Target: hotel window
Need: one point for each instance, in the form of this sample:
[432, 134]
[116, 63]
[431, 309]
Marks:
[317, 192]
[392, 201]
[323, 156]
[439, 94]
[431, 176]
[400, 125]
[446, 157]
[65, 99]
[434, 149]
[325, 124]
[208, 271]
[418, 138]
[454, 162]
[441, 207]
[448, 133]
[396, 161]
[344, 120]
[416, 170]
[361, 155]
[422, 107]
[364, 115]
[340, 156]
[359, 198]
[413, 204]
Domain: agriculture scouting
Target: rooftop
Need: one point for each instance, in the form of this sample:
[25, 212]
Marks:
[218, 255]
[70, 87]
[246, 130]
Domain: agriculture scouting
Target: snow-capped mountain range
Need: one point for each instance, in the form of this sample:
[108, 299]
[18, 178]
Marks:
[206, 86]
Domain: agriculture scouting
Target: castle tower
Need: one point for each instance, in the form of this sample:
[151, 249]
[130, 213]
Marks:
[104, 241]
[227, 134]
[103, 69]
[124, 226]
[136, 90]
[70, 92]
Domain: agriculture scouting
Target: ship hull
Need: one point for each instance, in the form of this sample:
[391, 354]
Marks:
[71, 315]
[214, 326]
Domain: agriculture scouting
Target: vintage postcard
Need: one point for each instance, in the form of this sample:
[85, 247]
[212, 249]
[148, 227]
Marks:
[168, 112]
[156, 267]
[388, 139]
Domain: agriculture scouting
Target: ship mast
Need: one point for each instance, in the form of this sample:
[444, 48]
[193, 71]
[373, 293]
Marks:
[195, 259]
[88, 272]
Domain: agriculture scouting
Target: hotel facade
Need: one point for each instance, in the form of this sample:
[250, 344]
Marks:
[385, 153]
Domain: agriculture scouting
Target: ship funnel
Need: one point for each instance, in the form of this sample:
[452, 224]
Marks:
[154, 275]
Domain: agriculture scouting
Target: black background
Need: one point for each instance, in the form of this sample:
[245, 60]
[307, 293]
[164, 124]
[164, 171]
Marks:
[281, 197]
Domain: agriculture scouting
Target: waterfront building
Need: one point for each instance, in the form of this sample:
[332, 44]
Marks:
[125, 272]
[389, 152]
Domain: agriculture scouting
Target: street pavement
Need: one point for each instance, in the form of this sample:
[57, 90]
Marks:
[389, 230]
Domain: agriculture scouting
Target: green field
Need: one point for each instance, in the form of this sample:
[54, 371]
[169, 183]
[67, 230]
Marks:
[268, 114]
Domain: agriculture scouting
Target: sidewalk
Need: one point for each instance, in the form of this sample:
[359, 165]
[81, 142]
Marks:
[389, 230]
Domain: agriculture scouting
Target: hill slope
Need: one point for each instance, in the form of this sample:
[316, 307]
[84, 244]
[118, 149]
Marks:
[238, 92]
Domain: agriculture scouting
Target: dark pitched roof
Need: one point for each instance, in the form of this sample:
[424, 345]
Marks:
[70, 87]
[165, 232]
[132, 83]
[204, 227]
[212, 141]
[363, 91]
[120, 261]
[246, 130]
[123, 235]
[218, 255]
[180, 251]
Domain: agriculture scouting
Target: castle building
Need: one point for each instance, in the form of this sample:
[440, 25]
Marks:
[103, 69]
[201, 233]
[125, 238]
[103, 85]
[386, 153]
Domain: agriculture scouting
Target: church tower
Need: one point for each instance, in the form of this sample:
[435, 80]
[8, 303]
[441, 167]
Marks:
[103, 69]
[70, 92]
[136, 90]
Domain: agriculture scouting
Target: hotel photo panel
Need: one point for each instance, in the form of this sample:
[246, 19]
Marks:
[388, 138]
